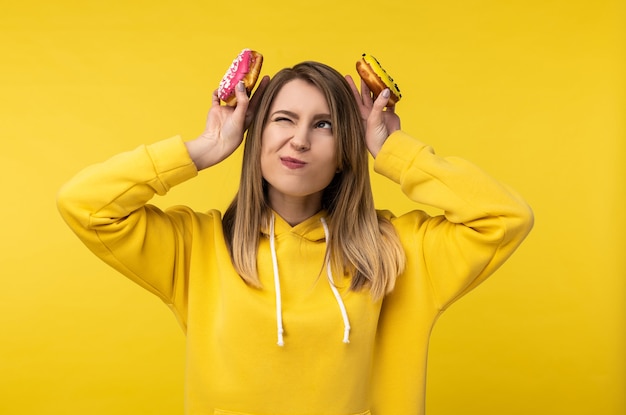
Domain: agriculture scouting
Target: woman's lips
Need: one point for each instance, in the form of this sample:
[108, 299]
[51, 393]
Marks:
[292, 163]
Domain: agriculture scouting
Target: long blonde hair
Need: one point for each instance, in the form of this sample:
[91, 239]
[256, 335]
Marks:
[360, 242]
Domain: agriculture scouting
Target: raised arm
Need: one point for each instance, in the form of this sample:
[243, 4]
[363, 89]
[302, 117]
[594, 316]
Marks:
[106, 204]
[482, 221]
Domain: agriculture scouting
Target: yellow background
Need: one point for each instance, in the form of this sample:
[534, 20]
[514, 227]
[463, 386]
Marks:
[532, 90]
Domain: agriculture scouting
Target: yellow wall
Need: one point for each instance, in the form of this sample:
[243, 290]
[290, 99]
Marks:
[531, 90]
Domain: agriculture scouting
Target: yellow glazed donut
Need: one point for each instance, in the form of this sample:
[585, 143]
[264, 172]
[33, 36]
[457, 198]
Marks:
[377, 79]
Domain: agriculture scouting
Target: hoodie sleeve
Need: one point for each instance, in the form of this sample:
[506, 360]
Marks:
[106, 206]
[483, 221]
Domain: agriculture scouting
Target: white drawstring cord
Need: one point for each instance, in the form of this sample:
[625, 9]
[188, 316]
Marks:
[279, 314]
[331, 280]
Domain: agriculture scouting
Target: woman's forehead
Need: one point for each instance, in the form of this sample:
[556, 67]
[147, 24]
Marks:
[299, 95]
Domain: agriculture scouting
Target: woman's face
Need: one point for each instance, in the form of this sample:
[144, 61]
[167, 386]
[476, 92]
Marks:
[298, 155]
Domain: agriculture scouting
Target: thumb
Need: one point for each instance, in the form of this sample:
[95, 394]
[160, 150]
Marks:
[382, 100]
[376, 116]
[242, 101]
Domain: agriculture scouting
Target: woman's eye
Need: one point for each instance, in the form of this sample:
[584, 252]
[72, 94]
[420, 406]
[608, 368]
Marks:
[323, 124]
[282, 119]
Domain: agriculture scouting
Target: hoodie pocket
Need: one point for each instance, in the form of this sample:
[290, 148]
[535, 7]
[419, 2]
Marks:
[223, 412]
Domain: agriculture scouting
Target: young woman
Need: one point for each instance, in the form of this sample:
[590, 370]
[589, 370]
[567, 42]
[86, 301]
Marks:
[301, 298]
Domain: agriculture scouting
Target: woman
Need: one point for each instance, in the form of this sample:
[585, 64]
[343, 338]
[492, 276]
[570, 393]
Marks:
[303, 299]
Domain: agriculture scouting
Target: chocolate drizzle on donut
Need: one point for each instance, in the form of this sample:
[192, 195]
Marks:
[376, 78]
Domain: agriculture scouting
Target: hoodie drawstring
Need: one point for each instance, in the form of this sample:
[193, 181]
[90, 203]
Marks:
[279, 305]
[279, 317]
[331, 281]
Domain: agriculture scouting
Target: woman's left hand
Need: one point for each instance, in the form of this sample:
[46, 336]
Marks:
[379, 122]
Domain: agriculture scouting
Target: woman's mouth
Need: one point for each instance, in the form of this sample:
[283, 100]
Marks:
[292, 163]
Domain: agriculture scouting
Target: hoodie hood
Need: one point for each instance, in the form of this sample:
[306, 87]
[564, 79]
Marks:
[313, 229]
[310, 229]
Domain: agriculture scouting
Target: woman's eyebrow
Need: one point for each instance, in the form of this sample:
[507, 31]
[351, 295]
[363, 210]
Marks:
[294, 115]
[285, 112]
[322, 117]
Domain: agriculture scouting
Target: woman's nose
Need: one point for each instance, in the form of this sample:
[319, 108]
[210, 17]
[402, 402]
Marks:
[300, 141]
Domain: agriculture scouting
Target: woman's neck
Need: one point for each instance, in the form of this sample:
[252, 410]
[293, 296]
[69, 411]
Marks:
[295, 210]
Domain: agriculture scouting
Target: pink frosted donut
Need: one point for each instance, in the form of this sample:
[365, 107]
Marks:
[246, 67]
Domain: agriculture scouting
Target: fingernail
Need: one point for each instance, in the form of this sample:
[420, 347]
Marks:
[386, 93]
[241, 86]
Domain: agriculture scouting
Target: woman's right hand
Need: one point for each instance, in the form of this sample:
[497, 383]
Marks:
[225, 127]
[379, 121]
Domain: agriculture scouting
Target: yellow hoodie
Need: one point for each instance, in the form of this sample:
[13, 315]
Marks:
[342, 353]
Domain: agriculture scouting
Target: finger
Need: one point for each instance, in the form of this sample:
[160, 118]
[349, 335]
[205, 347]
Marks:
[382, 100]
[254, 101]
[242, 101]
[366, 93]
[260, 90]
[355, 91]
[215, 100]
[375, 119]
